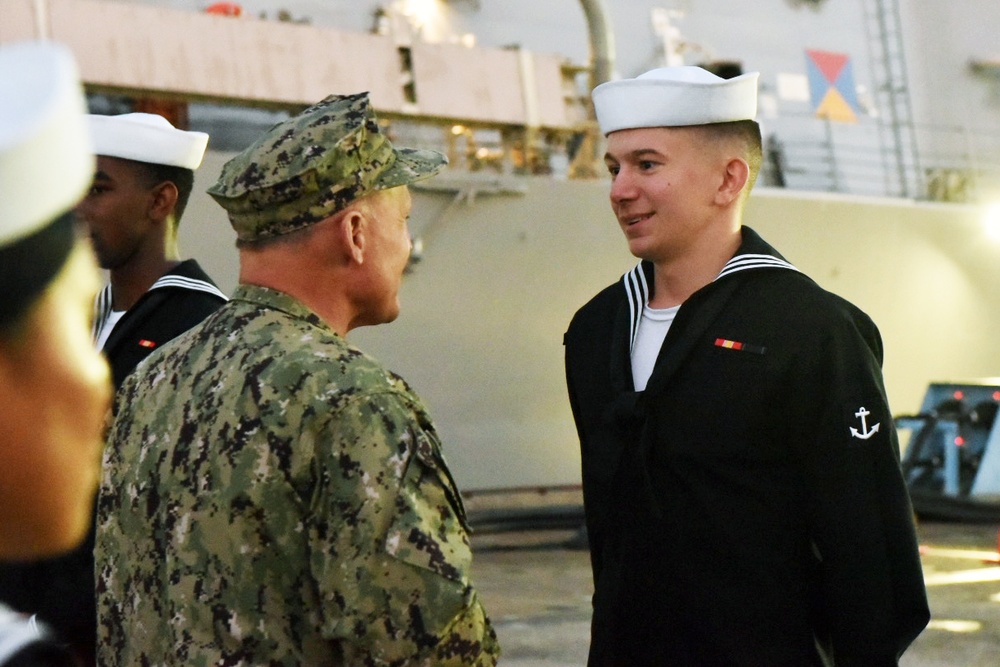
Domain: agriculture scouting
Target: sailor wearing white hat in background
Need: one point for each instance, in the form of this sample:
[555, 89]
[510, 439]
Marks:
[733, 515]
[147, 137]
[144, 175]
[145, 172]
[54, 387]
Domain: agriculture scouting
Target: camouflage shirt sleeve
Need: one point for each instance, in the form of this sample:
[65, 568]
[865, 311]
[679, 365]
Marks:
[389, 543]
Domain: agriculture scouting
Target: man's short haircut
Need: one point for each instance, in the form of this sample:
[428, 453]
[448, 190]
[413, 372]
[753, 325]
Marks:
[152, 174]
[748, 132]
[291, 238]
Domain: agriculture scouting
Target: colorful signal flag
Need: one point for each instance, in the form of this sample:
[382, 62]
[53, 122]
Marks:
[831, 86]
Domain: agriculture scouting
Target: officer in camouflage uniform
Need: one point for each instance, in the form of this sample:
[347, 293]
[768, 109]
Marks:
[272, 495]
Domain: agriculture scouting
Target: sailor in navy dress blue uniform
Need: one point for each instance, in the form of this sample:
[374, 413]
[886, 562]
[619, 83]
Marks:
[743, 496]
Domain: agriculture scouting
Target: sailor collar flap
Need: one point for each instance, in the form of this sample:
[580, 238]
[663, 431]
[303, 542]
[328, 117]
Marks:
[754, 253]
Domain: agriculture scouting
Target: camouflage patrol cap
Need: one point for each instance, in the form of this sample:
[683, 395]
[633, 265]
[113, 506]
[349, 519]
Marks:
[313, 165]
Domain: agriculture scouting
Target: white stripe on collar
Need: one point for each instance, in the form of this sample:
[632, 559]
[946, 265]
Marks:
[637, 292]
[102, 304]
[752, 261]
[637, 289]
[102, 309]
[16, 633]
[188, 283]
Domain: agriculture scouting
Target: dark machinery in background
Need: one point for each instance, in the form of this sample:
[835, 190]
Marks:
[951, 459]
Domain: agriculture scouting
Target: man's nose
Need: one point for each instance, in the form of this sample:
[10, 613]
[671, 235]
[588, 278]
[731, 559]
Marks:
[622, 187]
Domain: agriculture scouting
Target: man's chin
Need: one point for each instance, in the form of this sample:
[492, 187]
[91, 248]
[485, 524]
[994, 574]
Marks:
[640, 251]
[384, 317]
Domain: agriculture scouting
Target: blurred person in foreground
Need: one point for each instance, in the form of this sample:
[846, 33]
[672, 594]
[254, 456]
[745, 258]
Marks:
[55, 387]
[741, 475]
[271, 494]
[141, 184]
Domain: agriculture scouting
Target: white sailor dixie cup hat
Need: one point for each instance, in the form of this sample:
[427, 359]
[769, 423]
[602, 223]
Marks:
[46, 161]
[147, 137]
[674, 97]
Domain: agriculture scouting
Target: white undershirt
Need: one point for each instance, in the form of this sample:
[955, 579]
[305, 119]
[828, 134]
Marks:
[109, 325]
[653, 327]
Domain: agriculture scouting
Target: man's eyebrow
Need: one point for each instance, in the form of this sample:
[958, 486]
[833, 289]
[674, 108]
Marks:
[101, 176]
[644, 152]
[637, 154]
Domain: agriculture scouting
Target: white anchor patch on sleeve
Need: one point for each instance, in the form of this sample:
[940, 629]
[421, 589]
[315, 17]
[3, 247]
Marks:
[865, 432]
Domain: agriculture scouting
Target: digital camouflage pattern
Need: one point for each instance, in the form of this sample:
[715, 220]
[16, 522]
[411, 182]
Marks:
[312, 165]
[273, 496]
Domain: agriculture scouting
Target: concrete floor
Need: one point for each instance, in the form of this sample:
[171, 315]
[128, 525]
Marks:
[537, 592]
[539, 601]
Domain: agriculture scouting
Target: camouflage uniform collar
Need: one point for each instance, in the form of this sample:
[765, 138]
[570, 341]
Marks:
[272, 299]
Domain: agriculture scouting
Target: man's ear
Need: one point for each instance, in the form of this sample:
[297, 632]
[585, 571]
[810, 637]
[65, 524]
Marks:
[734, 179]
[164, 200]
[354, 230]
